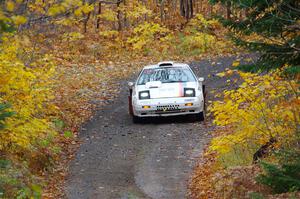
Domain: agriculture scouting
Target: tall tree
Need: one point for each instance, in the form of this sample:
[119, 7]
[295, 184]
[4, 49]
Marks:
[277, 22]
[186, 9]
[98, 13]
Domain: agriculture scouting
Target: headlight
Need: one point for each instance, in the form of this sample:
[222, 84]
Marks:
[189, 92]
[144, 95]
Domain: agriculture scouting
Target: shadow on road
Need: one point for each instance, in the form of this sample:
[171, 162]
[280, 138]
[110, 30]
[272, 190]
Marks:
[169, 120]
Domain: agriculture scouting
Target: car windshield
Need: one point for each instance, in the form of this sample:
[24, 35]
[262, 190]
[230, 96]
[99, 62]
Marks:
[166, 75]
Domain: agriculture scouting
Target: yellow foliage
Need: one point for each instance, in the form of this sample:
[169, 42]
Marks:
[67, 22]
[222, 74]
[203, 35]
[19, 20]
[236, 63]
[263, 107]
[71, 3]
[201, 41]
[136, 11]
[56, 9]
[28, 90]
[3, 17]
[72, 36]
[147, 33]
[109, 33]
[84, 9]
[10, 6]
[201, 23]
[108, 15]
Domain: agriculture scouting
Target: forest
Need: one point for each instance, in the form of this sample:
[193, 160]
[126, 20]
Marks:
[62, 59]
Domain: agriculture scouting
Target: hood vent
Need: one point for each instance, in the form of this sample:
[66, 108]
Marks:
[165, 63]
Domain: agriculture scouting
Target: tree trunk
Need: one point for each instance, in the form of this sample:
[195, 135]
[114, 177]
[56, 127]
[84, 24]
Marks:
[119, 16]
[191, 9]
[186, 9]
[228, 10]
[125, 16]
[85, 22]
[264, 150]
[99, 12]
[162, 12]
[211, 10]
[182, 8]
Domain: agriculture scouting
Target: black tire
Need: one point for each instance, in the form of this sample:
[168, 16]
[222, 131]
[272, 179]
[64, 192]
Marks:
[199, 116]
[130, 108]
[136, 119]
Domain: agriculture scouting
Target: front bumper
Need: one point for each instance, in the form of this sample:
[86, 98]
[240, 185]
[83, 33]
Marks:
[168, 106]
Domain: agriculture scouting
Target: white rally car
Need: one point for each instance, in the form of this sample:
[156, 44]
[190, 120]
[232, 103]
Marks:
[166, 89]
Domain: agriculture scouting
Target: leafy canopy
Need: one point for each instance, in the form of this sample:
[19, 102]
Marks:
[28, 89]
[273, 27]
[263, 107]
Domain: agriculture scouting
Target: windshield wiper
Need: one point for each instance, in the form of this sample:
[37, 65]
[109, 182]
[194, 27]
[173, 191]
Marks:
[173, 81]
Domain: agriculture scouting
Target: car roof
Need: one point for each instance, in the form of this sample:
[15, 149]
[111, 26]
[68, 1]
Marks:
[166, 64]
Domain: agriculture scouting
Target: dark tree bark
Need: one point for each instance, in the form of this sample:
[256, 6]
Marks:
[119, 16]
[228, 10]
[191, 9]
[86, 18]
[162, 12]
[186, 9]
[125, 22]
[264, 150]
[85, 22]
[99, 12]
[211, 10]
[182, 8]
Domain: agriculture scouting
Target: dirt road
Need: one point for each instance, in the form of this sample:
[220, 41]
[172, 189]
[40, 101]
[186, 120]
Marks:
[119, 159]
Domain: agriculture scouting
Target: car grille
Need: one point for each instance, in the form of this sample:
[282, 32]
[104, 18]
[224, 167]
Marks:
[167, 109]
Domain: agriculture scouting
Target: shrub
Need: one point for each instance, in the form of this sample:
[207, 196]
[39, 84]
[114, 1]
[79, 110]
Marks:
[27, 86]
[199, 43]
[282, 177]
[203, 35]
[4, 114]
[148, 33]
[16, 181]
[261, 108]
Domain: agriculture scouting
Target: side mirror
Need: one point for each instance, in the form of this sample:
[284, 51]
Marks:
[130, 84]
[201, 79]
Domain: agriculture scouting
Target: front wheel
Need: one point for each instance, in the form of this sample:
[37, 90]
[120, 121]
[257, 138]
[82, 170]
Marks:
[199, 116]
[136, 119]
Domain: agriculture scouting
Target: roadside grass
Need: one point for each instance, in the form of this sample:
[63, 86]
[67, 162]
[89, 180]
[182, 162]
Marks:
[239, 156]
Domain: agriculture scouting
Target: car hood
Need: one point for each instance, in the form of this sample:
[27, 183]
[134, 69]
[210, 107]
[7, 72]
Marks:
[164, 90]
